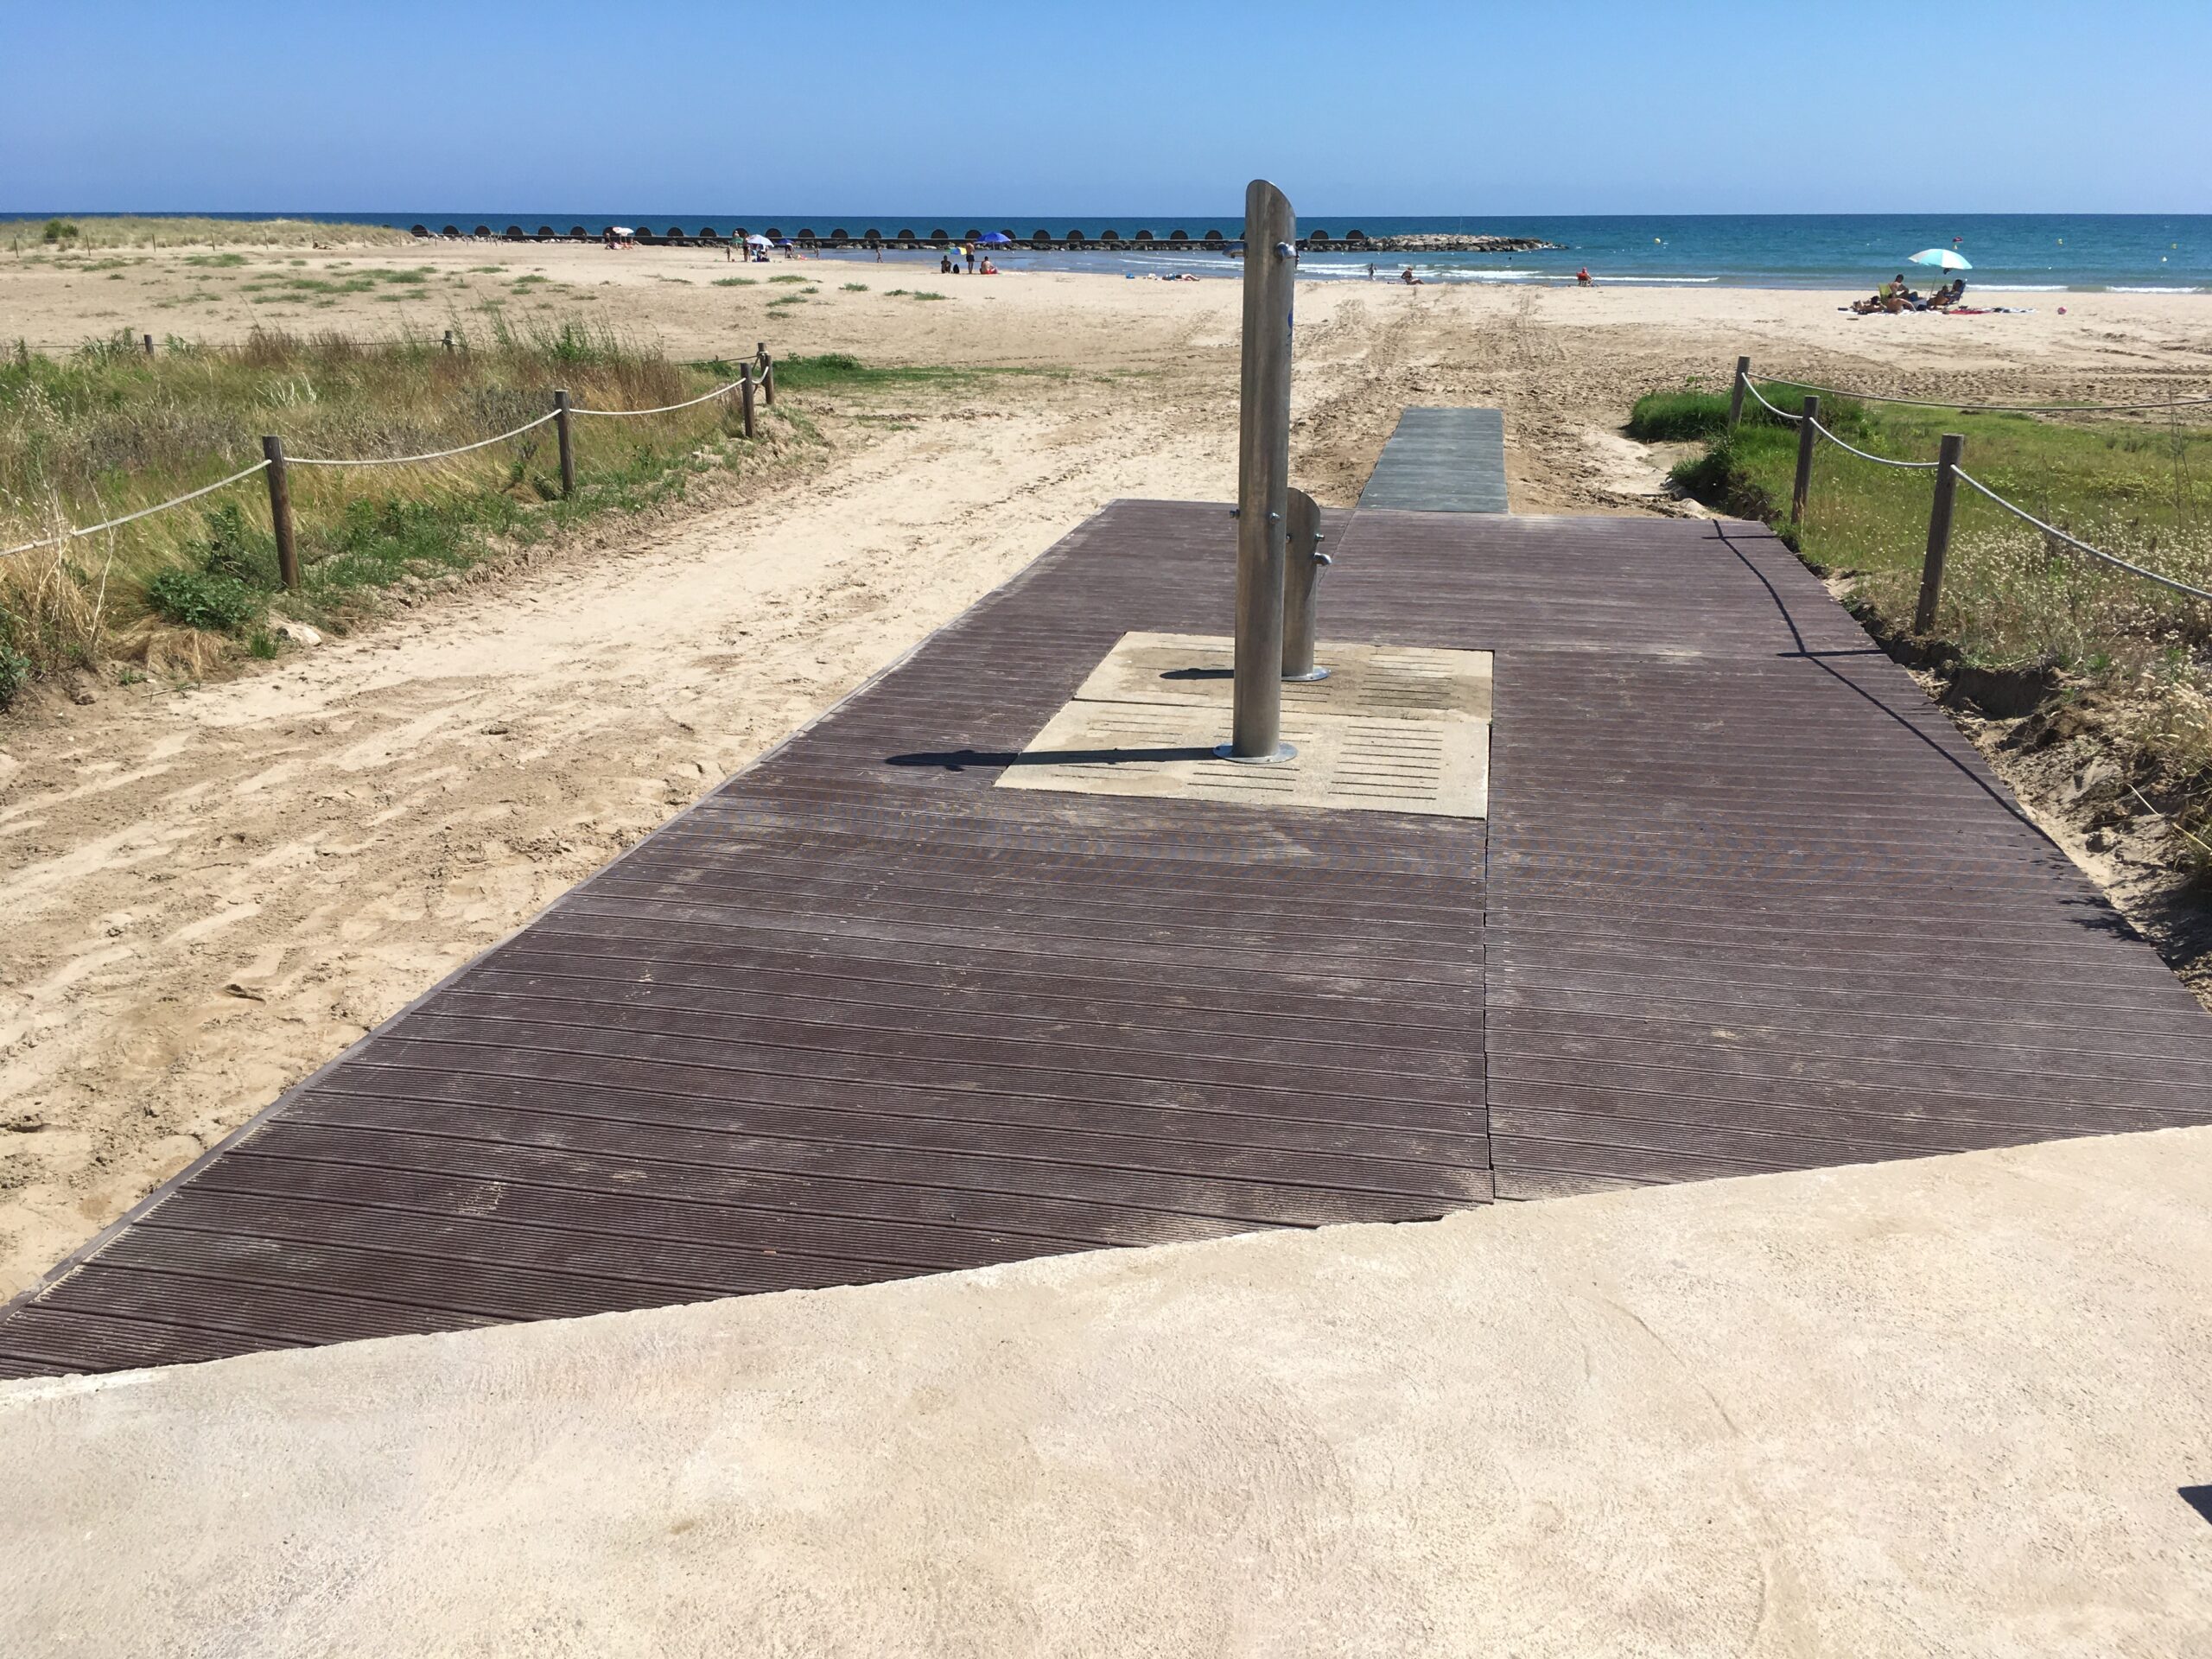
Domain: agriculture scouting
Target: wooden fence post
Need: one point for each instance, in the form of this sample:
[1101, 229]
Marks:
[768, 378]
[1736, 394]
[149, 339]
[1807, 437]
[744, 397]
[568, 449]
[449, 340]
[1939, 530]
[280, 513]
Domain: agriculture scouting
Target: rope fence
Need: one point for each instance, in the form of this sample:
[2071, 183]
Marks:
[760, 373]
[1949, 475]
[1986, 408]
[434, 454]
[2076, 542]
[142, 513]
[665, 409]
[1879, 461]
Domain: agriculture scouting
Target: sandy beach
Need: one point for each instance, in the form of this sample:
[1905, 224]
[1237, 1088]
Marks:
[208, 890]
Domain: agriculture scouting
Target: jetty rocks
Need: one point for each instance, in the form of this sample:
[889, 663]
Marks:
[1429, 242]
[1043, 240]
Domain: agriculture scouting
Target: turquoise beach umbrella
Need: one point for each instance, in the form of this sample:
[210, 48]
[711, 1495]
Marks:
[1942, 258]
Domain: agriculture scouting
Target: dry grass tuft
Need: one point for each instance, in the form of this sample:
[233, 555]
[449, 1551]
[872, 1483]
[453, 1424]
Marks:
[133, 230]
[106, 430]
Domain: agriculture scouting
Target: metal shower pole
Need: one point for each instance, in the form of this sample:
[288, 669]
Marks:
[1263, 474]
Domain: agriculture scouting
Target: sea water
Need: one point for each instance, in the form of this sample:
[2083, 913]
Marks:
[2010, 252]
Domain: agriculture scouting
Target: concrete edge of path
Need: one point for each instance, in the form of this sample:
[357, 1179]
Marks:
[1945, 1406]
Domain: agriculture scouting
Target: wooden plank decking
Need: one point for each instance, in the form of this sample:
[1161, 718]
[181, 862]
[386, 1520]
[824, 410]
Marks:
[1746, 902]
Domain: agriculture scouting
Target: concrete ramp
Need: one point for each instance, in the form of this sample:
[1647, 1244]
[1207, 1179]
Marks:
[1441, 461]
[1943, 1406]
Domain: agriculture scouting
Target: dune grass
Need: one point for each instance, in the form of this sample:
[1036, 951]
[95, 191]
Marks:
[2010, 595]
[134, 231]
[106, 429]
[841, 371]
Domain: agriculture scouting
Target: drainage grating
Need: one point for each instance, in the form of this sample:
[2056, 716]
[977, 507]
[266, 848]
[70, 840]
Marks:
[1393, 729]
[1403, 682]
[1441, 461]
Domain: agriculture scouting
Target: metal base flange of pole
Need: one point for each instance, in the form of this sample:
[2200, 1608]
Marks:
[1263, 476]
[1304, 561]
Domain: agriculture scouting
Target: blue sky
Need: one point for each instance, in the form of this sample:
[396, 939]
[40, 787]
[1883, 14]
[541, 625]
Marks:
[1574, 106]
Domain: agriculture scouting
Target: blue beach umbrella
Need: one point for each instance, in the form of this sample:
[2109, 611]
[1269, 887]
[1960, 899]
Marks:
[993, 238]
[1942, 258]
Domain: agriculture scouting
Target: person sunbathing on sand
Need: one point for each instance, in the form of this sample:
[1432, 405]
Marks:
[1409, 279]
[1892, 297]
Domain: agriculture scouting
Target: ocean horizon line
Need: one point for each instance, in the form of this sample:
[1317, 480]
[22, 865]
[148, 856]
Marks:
[2146, 253]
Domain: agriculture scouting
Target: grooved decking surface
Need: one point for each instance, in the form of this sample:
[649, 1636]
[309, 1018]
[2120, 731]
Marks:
[1745, 901]
[1441, 461]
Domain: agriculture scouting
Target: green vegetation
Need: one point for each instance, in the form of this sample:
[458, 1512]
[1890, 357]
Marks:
[205, 599]
[133, 230]
[106, 429]
[2132, 660]
[925, 296]
[787, 278]
[365, 280]
[225, 260]
[737, 282]
[15, 673]
[1682, 417]
[853, 288]
[843, 372]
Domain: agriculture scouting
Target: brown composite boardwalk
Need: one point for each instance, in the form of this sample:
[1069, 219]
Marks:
[1746, 902]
